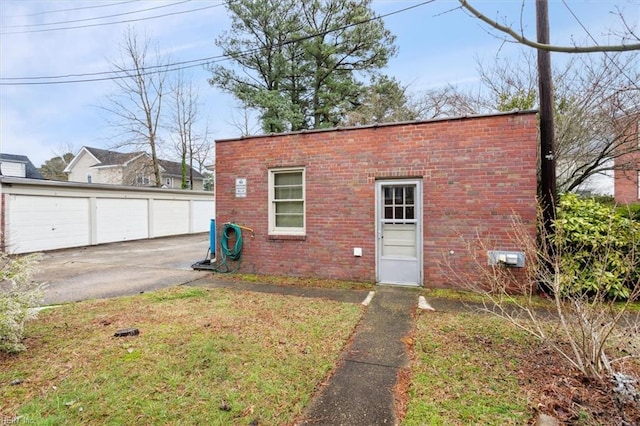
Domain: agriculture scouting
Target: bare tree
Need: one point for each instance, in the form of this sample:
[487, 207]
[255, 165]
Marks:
[190, 142]
[245, 125]
[543, 46]
[594, 108]
[448, 101]
[590, 329]
[518, 36]
[595, 95]
[137, 106]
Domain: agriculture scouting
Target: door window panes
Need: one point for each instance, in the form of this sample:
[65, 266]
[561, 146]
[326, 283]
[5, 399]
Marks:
[399, 203]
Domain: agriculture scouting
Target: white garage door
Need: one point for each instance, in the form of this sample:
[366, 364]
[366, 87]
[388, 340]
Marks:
[203, 212]
[170, 217]
[46, 223]
[121, 220]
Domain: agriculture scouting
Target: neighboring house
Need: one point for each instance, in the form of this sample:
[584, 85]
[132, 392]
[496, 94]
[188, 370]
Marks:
[627, 174]
[94, 165]
[388, 203]
[18, 166]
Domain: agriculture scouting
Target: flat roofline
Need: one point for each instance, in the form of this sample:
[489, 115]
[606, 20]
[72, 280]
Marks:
[9, 180]
[372, 126]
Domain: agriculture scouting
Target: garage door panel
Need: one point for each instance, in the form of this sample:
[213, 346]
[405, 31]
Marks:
[121, 220]
[46, 223]
[203, 212]
[170, 217]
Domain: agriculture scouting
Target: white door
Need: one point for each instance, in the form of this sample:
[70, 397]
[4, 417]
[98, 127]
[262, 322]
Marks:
[399, 232]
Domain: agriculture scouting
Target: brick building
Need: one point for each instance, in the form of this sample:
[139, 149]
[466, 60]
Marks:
[627, 170]
[385, 203]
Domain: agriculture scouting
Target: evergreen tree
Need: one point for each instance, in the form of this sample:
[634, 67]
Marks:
[300, 63]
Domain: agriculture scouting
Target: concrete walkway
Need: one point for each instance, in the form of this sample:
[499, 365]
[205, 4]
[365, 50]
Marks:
[361, 390]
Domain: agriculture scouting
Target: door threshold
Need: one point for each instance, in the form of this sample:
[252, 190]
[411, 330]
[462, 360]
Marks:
[399, 285]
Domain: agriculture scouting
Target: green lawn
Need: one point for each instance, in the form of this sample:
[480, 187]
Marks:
[220, 357]
[464, 371]
[202, 357]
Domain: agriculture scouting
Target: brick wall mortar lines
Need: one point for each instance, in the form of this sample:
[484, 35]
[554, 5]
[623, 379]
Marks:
[475, 172]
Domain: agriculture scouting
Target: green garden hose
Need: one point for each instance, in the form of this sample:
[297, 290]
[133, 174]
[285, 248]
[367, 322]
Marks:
[234, 253]
[227, 232]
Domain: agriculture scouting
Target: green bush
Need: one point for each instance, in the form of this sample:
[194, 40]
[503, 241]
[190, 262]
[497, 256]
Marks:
[18, 293]
[598, 248]
[607, 200]
[632, 211]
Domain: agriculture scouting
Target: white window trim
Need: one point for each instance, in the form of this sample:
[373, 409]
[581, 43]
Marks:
[273, 230]
[143, 179]
[638, 184]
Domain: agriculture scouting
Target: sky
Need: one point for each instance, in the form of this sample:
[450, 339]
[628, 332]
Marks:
[438, 44]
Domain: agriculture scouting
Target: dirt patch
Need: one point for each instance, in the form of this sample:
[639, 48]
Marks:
[469, 368]
[555, 388]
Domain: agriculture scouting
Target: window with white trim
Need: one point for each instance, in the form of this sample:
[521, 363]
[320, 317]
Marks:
[638, 184]
[89, 178]
[287, 201]
[142, 179]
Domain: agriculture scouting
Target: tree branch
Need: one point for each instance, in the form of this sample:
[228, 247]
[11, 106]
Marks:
[548, 47]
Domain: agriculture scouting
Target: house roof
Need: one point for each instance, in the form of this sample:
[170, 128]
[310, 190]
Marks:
[31, 172]
[107, 158]
[111, 158]
[173, 168]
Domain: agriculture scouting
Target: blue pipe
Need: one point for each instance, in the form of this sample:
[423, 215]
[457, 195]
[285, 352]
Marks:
[212, 238]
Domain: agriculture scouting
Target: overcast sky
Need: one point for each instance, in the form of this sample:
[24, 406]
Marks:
[438, 44]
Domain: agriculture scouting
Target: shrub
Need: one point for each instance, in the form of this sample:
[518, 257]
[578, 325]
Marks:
[592, 330]
[632, 211]
[598, 247]
[18, 293]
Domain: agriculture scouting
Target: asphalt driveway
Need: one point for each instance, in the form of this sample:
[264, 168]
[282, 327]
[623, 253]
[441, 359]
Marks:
[119, 269]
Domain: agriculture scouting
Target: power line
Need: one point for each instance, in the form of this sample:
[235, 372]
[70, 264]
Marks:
[96, 18]
[176, 66]
[46, 12]
[112, 23]
[200, 61]
[606, 54]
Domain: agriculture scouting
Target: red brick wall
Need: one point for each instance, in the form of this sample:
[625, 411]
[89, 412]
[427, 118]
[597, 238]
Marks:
[626, 186]
[476, 173]
[626, 174]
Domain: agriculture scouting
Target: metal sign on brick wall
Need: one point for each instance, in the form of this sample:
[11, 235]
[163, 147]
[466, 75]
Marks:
[241, 187]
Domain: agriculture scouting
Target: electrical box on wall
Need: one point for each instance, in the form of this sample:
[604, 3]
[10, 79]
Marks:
[514, 259]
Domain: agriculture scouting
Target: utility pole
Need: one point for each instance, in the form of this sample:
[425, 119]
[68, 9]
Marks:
[548, 191]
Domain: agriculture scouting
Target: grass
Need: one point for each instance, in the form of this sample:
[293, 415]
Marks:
[536, 301]
[464, 371]
[218, 356]
[300, 281]
[202, 357]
